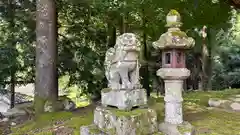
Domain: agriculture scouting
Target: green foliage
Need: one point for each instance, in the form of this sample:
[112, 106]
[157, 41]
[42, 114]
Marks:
[83, 28]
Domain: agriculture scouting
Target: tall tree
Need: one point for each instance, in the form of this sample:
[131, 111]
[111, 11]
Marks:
[12, 43]
[46, 83]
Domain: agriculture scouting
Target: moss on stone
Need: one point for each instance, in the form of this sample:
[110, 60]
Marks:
[111, 131]
[159, 133]
[179, 33]
[106, 90]
[94, 130]
[173, 12]
[143, 120]
[134, 112]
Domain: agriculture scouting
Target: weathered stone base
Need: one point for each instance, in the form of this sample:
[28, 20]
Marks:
[124, 99]
[181, 129]
[90, 130]
[111, 121]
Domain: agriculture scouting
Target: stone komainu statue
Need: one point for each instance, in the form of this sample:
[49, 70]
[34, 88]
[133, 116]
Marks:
[121, 63]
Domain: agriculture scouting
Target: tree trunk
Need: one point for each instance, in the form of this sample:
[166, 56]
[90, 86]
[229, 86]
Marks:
[46, 83]
[209, 81]
[12, 90]
[111, 39]
[144, 69]
[211, 47]
[11, 15]
[196, 71]
[122, 24]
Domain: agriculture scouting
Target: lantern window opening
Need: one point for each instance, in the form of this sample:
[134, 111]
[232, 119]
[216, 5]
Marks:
[168, 58]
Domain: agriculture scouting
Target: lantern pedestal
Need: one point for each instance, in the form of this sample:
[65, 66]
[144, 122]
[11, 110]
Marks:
[173, 123]
[173, 79]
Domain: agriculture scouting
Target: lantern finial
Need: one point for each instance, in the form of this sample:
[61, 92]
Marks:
[173, 19]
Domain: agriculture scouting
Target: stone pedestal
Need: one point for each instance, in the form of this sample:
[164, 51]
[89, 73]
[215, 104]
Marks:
[110, 121]
[124, 99]
[173, 101]
[173, 78]
[173, 123]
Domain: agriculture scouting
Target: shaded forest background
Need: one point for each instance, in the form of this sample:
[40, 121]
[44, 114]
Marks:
[87, 28]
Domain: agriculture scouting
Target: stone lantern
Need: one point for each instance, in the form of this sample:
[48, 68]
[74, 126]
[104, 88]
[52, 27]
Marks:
[173, 44]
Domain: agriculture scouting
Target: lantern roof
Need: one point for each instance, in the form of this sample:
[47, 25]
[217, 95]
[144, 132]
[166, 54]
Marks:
[174, 38]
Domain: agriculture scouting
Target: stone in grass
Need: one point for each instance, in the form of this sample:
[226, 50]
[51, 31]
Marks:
[215, 102]
[182, 129]
[14, 112]
[226, 105]
[235, 106]
[135, 122]
[235, 99]
[238, 96]
[63, 103]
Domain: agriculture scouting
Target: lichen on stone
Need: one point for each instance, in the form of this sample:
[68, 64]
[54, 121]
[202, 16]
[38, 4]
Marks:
[226, 105]
[138, 121]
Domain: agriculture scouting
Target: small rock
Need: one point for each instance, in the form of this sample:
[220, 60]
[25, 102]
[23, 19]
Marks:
[4, 106]
[4, 120]
[14, 112]
[13, 124]
[236, 99]
[235, 106]
[69, 105]
[1, 116]
[210, 108]
[238, 96]
[214, 102]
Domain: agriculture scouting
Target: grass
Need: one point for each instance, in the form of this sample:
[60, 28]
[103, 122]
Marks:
[201, 97]
[49, 120]
[213, 122]
[207, 122]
